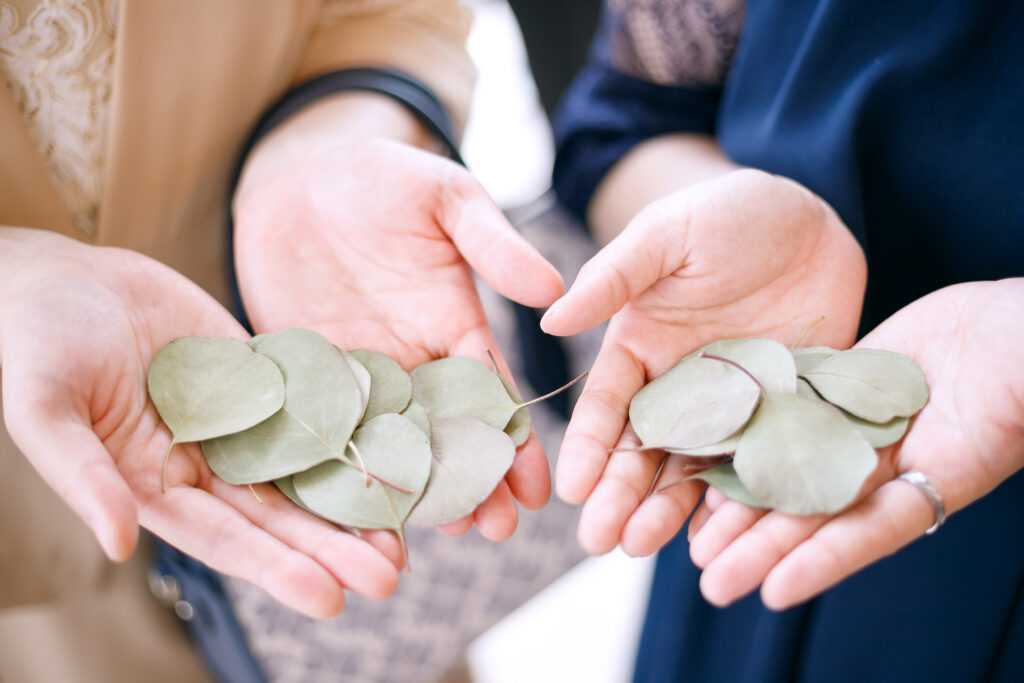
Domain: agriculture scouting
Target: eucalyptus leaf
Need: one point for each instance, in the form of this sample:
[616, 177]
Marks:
[871, 384]
[362, 375]
[390, 386]
[395, 450]
[804, 388]
[287, 487]
[724, 478]
[879, 435]
[323, 404]
[767, 360]
[418, 415]
[801, 456]
[723, 447]
[204, 388]
[459, 386]
[470, 458]
[808, 357]
[520, 424]
[697, 403]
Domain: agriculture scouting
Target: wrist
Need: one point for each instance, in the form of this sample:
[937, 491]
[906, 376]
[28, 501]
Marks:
[652, 170]
[337, 120]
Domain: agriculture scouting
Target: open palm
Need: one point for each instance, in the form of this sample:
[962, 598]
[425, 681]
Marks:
[80, 328]
[373, 244]
[746, 254]
[966, 440]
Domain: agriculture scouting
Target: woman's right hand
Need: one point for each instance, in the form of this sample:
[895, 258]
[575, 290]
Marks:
[79, 326]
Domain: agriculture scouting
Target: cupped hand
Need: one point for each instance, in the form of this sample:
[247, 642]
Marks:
[746, 254]
[373, 243]
[79, 326]
[967, 439]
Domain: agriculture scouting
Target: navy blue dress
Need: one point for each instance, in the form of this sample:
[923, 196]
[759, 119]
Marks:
[908, 118]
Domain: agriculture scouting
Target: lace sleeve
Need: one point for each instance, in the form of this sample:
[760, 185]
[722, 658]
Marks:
[687, 43]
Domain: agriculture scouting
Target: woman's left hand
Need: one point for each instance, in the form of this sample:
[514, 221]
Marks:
[966, 440]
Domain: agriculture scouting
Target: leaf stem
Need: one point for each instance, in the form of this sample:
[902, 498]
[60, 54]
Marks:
[163, 470]
[806, 332]
[371, 475]
[555, 392]
[735, 364]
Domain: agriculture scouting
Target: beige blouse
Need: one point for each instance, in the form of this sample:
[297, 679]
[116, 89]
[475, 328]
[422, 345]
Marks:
[57, 58]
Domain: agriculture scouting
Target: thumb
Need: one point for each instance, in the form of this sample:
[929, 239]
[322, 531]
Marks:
[652, 246]
[74, 463]
[492, 247]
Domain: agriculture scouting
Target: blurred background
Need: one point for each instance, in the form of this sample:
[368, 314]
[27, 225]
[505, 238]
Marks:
[583, 626]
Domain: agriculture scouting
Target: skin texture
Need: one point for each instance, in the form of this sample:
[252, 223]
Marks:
[966, 440]
[344, 226]
[79, 326]
[743, 254]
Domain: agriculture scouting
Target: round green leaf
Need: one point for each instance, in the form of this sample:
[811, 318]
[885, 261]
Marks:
[470, 458]
[394, 450]
[724, 478]
[808, 357]
[879, 435]
[418, 415]
[323, 404]
[390, 385]
[874, 385]
[697, 403]
[801, 456]
[204, 388]
[458, 386]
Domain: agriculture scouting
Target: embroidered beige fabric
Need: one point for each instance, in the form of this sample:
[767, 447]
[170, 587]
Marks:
[57, 58]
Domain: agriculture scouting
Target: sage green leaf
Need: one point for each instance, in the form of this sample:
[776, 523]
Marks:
[804, 388]
[454, 386]
[395, 451]
[723, 447]
[323, 404]
[697, 403]
[470, 458]
[204, 388]
[874, 385]
[766, 359]
[879, 435]
[418, 415]
[287, 487]
[362, 376]
[390, 386]
[808, 357]
[520, 424]
[724, 478]
[801, 456]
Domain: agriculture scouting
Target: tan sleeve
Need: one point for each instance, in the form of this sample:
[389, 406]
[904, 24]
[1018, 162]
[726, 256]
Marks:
[423, 38]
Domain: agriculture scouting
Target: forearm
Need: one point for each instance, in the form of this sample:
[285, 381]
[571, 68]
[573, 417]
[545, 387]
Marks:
[651, 170]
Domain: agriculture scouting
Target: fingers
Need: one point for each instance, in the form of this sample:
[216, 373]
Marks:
[660, 517]
[64, 450]
[492, 247]
[530, 476]
[744, 562]
[649, 249]
[798, 557]
[308, 572]
[497, 517]
[597, 422]
[890, 518]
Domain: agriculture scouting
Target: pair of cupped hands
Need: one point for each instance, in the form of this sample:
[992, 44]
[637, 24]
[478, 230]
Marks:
[374, 244]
